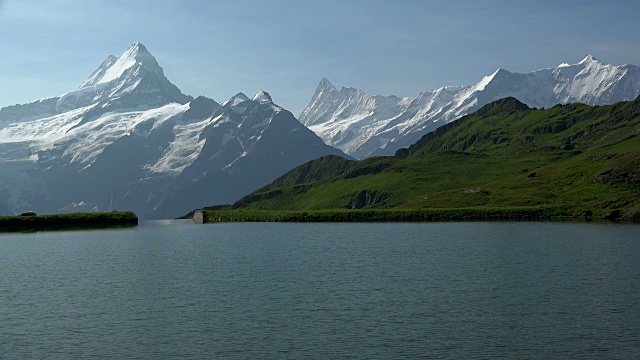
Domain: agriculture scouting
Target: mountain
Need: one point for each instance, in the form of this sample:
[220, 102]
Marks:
[246, 143]
[364, 125]
[576, 159]
[129, 139]
[133, 81]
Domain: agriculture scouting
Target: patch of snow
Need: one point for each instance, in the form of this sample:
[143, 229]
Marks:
[183, 150]
[99, 73]
[237, 99]
[587, 59]
[482, 84]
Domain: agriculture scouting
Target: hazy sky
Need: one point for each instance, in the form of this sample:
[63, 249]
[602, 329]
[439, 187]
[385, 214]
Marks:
[219, 48]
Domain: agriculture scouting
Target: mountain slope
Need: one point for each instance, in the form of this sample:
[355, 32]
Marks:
[363, 125]
[580, 158]
[246, 143]
[129, 139]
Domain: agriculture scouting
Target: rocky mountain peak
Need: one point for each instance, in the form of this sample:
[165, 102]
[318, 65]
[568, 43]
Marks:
[236, 99]
[588, 59]
[113, 68]
[262, 97]
[326, 84]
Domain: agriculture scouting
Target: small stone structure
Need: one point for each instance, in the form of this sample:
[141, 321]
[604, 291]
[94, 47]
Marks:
[198, 217]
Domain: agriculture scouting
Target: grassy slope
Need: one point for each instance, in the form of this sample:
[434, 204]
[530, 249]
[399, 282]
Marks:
[586, 160]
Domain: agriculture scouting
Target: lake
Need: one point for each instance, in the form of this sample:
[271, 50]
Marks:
[326, 291]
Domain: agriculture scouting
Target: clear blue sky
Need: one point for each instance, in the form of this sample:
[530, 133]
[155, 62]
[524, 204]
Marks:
[219, 48]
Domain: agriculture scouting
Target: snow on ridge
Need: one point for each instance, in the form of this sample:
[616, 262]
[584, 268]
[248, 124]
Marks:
[99, 73]
[482, 84]
[588, 59]
[360, 124]
[236, 99]
[43, 130]
[262, 97]
[135, 54]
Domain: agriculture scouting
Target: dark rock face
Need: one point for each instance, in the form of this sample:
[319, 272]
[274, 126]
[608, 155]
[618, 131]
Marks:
[367, 198]
[620, 172]
[373, 169]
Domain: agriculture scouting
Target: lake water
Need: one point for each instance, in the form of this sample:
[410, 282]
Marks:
[326, 291]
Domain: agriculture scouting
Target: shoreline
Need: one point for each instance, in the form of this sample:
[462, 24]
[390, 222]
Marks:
[396, 215]
[71, 221]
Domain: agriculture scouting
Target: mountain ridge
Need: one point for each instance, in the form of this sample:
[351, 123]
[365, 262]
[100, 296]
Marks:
[366, 125]
[578, 159]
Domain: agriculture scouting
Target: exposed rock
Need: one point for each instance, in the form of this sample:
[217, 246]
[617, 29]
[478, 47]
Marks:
[367, 198]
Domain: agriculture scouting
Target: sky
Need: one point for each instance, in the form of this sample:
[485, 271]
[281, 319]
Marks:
[220, 48]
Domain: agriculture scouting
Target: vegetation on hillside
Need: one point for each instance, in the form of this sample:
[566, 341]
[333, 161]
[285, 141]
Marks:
[582, 159]
[383, 215]
[84, 220]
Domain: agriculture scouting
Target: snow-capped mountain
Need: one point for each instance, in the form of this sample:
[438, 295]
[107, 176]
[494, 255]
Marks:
[134, 81]
[363, 125]
[129, 139]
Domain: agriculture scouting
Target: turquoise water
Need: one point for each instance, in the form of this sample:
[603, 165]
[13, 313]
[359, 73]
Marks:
[437, 290]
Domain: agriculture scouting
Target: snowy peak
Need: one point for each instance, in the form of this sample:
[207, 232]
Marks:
[589, 59]
[136, 49]
[236, 99]
[204, 100]
[136, 55]
[132, 81]
[200, 108]
[325, 89]
[325, 84]
[263, 97]
[488, 79]
[99, 73]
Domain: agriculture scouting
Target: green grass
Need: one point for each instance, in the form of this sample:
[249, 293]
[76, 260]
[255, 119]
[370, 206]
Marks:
[68, 221]
[391, 215]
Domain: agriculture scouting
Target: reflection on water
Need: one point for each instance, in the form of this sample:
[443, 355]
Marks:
[168, 222]
[323, 291]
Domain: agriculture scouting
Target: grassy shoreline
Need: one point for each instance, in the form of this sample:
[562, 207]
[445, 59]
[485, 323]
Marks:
[391, 215]
[88, 220]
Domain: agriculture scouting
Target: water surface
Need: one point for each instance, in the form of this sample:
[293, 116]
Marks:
[269, 290]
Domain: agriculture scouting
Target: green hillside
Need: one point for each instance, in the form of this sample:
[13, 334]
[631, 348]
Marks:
[579, 160]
